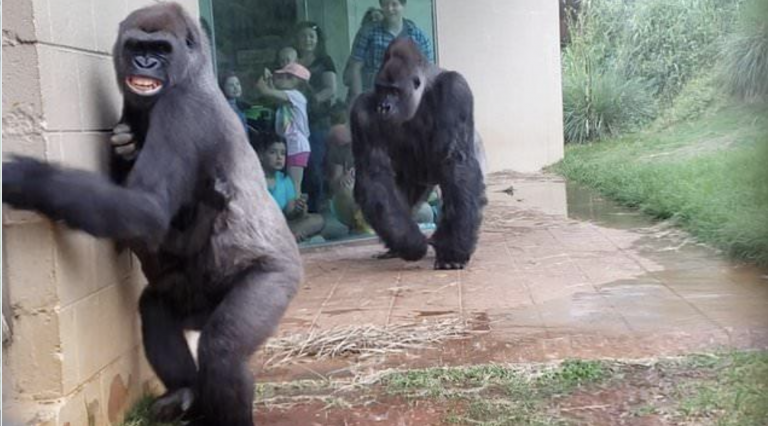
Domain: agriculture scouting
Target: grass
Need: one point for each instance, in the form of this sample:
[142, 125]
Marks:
[499, 395]
[362, 340]
[737, 395]
[724, 389]
[139, 415]
[707, 174]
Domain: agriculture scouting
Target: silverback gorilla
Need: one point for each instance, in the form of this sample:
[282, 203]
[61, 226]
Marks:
[194, 207]
[415, 131]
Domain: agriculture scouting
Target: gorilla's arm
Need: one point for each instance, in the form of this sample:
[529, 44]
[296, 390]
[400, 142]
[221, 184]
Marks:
[383, 206]
[461, 177]
[142, 210]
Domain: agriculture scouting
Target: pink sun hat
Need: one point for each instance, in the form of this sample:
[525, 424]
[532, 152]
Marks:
[296, 70]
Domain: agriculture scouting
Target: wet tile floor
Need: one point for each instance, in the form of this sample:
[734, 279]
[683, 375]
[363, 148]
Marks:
[559, 273]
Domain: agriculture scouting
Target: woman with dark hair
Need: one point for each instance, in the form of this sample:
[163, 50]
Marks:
[233, 91]
[310, 44]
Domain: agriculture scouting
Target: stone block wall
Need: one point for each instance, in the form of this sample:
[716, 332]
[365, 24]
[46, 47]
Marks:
[73, 354]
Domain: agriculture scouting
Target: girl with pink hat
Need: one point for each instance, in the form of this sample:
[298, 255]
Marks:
[285, 86]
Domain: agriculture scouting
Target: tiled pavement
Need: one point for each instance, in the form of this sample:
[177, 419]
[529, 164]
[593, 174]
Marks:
[558, 273]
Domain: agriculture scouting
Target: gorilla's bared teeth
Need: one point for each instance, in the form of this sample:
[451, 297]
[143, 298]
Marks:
[144, 86]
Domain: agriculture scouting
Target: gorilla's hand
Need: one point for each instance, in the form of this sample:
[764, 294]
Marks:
[123, 142]
[21, 181]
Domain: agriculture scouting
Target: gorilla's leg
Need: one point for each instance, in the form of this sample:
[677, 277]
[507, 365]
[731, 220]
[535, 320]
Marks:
[168, 353]
[463, 197]
[240, 324]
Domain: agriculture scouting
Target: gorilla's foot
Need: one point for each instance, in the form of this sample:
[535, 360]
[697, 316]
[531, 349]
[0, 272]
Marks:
[389, 254]
[173, 405]
[446, 264]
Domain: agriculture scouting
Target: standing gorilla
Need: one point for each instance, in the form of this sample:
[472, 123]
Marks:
[416, 130]
[194, 207]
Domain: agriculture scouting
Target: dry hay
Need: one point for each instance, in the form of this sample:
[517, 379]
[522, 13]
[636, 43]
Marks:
[363, 340]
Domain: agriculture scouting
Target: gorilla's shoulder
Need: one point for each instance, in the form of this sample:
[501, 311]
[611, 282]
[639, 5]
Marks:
[451, 80]
[450, 91]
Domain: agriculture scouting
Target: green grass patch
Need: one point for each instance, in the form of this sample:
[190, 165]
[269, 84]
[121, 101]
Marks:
[708, 174]
[498, 395]
[139, 414]
[724, 389]
[737, 395]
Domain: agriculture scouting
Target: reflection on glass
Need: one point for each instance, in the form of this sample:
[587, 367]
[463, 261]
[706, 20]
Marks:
[290, 69]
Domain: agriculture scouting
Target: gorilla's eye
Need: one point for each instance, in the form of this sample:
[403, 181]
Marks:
[163, 47]
[190, 40]
[131, 45]
[416, 82]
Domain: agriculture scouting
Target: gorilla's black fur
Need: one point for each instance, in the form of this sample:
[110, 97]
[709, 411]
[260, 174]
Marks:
[193, 206]
[415, 131]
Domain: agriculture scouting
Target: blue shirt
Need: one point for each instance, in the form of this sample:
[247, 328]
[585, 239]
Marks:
[372, 41]
[283, 191]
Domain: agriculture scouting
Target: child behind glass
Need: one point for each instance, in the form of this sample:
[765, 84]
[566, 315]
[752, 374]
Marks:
[285, 86]
[294, 206]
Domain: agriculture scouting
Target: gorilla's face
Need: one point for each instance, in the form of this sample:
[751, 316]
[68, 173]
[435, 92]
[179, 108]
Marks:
[147, 60]
[399, 87]
[154, 52]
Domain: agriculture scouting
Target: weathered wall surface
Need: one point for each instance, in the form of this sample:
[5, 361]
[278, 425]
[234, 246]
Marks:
[509, 51]
[74, 355]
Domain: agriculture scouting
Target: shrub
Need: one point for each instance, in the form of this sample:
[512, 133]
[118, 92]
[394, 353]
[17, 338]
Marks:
[670, 41]
[745, 55]
[600, 102]
[697, 97]
[629, 58]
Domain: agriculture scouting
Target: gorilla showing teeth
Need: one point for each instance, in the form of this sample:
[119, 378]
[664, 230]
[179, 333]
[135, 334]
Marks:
[192, 203]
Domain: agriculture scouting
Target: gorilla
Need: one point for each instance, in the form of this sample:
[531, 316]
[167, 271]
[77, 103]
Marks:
[193, 206]
[415, 131]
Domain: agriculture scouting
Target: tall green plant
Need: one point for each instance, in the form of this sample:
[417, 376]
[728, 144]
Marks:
[628, 58]
[599, 101]
[745, 56]
[670, 41]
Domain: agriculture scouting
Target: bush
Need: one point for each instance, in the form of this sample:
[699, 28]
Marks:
[745, 56]
[599, 102]
[700, 95]
[628, 58]
[670, 41]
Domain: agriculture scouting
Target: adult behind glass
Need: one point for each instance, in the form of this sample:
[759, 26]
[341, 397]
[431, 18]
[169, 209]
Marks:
[372, 40]
[233, 91]
[372, 16]
[309, 42]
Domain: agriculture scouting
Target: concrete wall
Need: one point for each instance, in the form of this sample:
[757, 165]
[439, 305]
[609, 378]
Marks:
[509, 51]
[74, 357]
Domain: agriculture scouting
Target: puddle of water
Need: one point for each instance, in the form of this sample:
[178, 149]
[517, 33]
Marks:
[587, 205]
[680, 255]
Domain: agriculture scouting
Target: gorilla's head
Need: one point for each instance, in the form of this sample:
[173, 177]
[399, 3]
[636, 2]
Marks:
[158, 48]
[400, 82]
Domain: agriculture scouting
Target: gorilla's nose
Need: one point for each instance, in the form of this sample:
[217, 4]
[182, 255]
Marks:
[145, 62]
